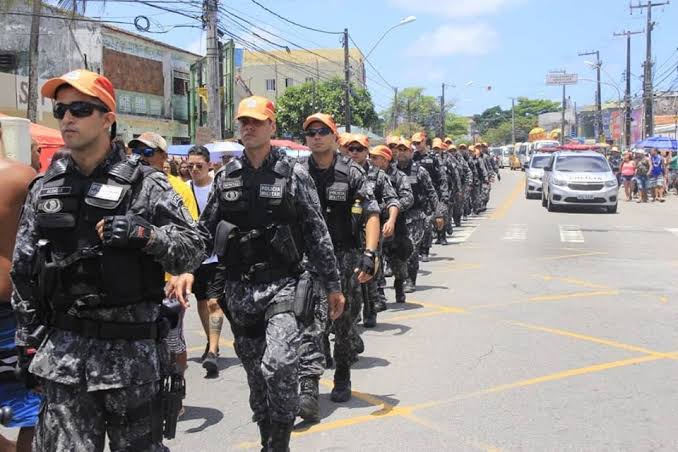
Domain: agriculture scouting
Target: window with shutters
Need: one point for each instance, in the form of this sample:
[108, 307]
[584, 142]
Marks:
[270, 84]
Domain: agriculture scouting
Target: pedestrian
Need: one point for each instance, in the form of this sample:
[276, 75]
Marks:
[615, 161]
[656, 176]
[109, 227]
[425, 200]
[397, 247]
[14, 394]
[667, 178]
[642, 170]
[211, 315]
[184, 172]
[349, 208]
[261, 207]
[389, 206]
[628, 171]
[673, 172]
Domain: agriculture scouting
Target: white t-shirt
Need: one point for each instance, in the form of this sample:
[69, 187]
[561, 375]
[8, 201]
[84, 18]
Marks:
[201, 195]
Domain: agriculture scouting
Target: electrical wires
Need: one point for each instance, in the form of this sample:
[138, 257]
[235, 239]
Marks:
[295, 23]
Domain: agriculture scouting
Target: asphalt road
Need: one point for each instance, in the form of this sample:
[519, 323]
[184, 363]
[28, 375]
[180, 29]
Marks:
[533, 331]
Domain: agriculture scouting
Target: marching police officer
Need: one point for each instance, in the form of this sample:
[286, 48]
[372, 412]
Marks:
[449, 164]
[389, 205]
[466, 177]
[425, 200]
[398, 247]
[348, 205]
[261, 212]
[100, 229]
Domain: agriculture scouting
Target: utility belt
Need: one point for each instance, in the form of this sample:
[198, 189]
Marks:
[97, 329]
[261, 273]
[302, 305]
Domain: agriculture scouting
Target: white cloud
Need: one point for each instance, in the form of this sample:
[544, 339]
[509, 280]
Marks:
[447, 40]
[453, 8]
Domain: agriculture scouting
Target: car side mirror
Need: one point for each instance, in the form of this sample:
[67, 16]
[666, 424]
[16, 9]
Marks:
[547, 168]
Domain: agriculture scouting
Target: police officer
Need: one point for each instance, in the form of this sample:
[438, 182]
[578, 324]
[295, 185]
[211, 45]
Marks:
[398, 247]
[347, 204]
[449, 164]
[389, 206]
[100, 228]
[466, 177]
[425, 200]
[262, 210]
[480, 178]
[484, 163]
[430, 161]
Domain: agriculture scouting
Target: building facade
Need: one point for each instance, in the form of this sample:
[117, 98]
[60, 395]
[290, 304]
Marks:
[150, 77]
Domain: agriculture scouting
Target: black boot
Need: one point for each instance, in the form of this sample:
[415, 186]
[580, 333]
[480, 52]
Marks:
[380, 302]
[408, 286]
[423, 257]
[280, 437]
[399, 292]
[342, 384]
[265, 432]
[442, 238]
[308, 399]
[370, 319]
[449, 229]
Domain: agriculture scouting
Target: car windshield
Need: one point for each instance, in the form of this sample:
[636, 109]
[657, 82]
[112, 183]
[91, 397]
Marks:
[547, 144]
[540, 161]
[582, 164]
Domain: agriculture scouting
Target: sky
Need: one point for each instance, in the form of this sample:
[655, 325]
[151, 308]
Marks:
[509, 45]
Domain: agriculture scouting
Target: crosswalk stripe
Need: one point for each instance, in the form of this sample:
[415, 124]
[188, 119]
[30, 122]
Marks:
[570, 233]
[673, 231]
[516, 232]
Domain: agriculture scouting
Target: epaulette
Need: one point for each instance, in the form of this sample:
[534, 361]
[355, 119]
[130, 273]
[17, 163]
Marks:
[128, 170]
[343, 165]
[283, 166]
[56, 168]
[231, 167]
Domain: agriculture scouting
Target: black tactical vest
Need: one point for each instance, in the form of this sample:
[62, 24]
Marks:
[420, 196]
[431, 163]
[335, 201]
[70, 204]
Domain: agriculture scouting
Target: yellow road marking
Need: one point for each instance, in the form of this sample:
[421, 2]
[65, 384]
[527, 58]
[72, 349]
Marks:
[503, 209]
[567, 296]
[568, 256]
[441, 307]
[576, 282]
[419, 315]
[664, 299]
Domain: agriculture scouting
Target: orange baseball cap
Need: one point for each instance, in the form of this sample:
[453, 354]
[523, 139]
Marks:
[359, 138]
[383, 151]
[344, 138]
[449, 140]
[87, 82]
[419, 136]
[392, 139]
[438, 143]
[405, 142]
[326, 119]
[256, 107]
[462, 146]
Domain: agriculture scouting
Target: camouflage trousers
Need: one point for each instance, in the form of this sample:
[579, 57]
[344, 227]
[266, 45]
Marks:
[476, 197]
[427, 239]
[468, 201]
[456, 207]
[485, 194]
[416, 227]
[72, 419]
[312, 350]
[346, 335]
[271, 359]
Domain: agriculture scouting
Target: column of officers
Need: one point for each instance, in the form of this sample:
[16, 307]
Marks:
[304, 248]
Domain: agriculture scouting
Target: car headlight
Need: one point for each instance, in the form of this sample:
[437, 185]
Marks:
[534, 176]
[611, 183]
[560, 182]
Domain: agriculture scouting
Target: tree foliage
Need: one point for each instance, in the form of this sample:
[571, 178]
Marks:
[494, 124]
[299, 102]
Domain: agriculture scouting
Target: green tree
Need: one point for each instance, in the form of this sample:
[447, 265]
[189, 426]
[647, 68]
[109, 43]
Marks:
[416, 112]
[301, 101]
[494, 124]
[456, 126]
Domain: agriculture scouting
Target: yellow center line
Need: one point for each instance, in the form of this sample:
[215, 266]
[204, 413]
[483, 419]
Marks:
[567, 296]
[503, 209]
[576, 282]
[568, 256]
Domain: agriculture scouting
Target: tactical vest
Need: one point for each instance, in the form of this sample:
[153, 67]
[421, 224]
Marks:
[335, 201]
[420, 195]
[258, 202]
[431, 163]
[70, 205]
[372, 179]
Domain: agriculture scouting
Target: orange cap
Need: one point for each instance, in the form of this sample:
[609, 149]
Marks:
[359, 138]
[448, 140]
[483, 144]
[256, 107]
[405, 142]
[452, 147]
[419, 136]
[392, 139]
[437, 143]
[326, 119]
[383, 151]
[462, 146]
[87, 82]
[344, 138]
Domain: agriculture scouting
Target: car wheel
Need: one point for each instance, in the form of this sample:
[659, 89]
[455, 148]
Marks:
[612, 209]
[550, 206]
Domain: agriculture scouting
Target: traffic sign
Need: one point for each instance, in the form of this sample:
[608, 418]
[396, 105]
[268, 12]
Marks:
[561, 78]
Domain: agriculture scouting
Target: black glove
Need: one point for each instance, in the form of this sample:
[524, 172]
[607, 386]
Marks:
[126, 231]
[366, 263]
[24, 357]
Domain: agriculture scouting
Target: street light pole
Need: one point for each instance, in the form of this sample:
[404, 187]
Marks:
[347, 85]
[212, 56]
[599, 108]
[513, 122]
[404, 21]
[627, 95]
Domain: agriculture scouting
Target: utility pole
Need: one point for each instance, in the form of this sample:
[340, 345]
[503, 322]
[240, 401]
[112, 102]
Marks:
[442, 113]
[347, 86]
[598, 124]
[648, 95]
[562, 119]
[213, 92]
[627, 94]
[513, 122]
[395, 108]
[34, 56]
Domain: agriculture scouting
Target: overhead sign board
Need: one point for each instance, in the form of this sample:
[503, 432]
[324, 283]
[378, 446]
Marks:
[561, 78]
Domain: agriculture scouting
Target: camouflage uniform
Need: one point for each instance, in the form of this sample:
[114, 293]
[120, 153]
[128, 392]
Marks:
[386, 197]
[94, 386]
[432, 163]
[455, 185]
[470, 199]
[425, 200]
[480, 183]
[269, 349]
[466, 177]
[485, 162]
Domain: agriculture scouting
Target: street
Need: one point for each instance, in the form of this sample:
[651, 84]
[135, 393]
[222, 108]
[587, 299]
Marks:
[532, 331]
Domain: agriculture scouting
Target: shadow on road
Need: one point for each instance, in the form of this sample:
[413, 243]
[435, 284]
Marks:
[402, 307]
[422, 288]
[211, 417]
[327, 407]
[435, 259]
[385, 327]
[370, 362]
[223, 363]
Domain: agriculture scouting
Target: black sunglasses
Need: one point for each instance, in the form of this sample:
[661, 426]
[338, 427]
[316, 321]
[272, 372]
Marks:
[146, 152]
[323, 131]
[78, 109]
[356, 149]
[416, 143]
[392, 146]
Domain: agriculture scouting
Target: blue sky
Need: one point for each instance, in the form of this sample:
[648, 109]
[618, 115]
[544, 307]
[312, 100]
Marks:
[508, 44]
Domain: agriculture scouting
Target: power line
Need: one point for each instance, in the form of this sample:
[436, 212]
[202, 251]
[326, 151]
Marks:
[370, 63]
[295, 23]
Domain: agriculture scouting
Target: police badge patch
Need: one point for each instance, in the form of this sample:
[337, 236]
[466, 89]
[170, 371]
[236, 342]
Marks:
[271, 191]
[52, 206]
[232, 195]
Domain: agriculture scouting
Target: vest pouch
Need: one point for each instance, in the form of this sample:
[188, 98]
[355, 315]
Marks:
[57, 212]
[122, 276]
[284, 246]
[106, 196]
